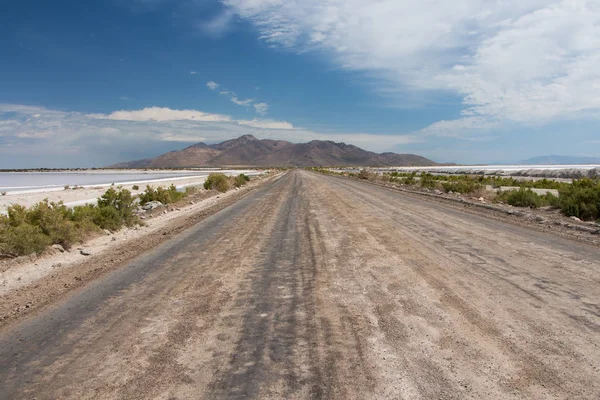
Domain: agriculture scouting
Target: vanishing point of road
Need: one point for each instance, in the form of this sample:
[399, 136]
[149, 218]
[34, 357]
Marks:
[320, 287]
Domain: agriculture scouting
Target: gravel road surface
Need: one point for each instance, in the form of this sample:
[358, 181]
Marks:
[320, 287]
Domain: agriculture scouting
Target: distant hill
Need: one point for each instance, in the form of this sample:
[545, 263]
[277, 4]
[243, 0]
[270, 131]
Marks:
[250, 151]
[561, 160]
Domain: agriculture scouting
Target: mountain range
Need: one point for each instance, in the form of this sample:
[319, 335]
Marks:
[250, 151]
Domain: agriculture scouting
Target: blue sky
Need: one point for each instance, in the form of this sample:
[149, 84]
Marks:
[97, 82]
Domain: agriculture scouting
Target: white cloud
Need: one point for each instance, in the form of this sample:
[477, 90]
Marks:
[193, 72]
[239, 102]
[266, 124]
[212, 85]
[462, 128]
[512, 60]
[161, 114]
[219, 25]
[261, 108]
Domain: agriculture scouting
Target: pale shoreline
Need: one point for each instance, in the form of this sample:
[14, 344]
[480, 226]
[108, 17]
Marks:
[87, 194]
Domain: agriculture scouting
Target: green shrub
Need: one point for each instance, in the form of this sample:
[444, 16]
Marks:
[135, 187]
[122, 201]
[240, 180]
[463, 186]
[17, 215]
[54, 219]
[218, 182]
[521, 198]
[22, 239]
[165, 196]
[428, 180]
[409, 180]
[25, 239]
[581, 199]
[108, 218]
[85, 218]
[29, 230]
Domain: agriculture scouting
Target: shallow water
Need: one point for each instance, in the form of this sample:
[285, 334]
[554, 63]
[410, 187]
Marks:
[36, 181]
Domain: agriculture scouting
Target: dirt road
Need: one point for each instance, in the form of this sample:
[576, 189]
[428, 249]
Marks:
[320, 287]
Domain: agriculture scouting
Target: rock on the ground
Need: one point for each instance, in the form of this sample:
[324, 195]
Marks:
[85, 252]
[151, 205]
[574, 218]
[58, 247]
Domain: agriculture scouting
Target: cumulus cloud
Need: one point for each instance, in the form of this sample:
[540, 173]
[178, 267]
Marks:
[261, 108]
[212, 85]
[162, 114]
[193, 72]
[526, 61]
[267, 124]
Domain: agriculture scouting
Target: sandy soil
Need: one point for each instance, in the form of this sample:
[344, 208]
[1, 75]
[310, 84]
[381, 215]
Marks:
[319, 287]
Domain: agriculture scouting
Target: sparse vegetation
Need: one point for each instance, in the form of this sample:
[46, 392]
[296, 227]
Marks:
[240, 180]
[520, 198]
[428, 181]
[3, 193]
[366, 174]
[581, 199]
[466, 186]
[30, 230]
[190, 190]
[218, 182]
[135, 187]
[165, 196]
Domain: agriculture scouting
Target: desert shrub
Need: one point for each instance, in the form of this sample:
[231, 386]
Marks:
[550, 200]
[581, 199]
[366, 174]
[164, 195]
[386, 177]
[240, 180]
[218, 182]
[54, 219]
[107, 217]
[85, 218]
[190, 190]
[410, 179]
[17, 215]
[463, 186]
[122, 201]
[428, 180]
[29, 230]
[521, 198]
[22, 239]
[135, 187]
